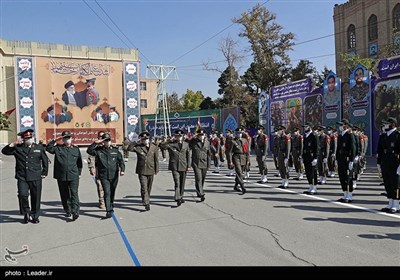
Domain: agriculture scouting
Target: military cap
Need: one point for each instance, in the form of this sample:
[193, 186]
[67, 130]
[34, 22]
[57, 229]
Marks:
[356, 128]
[229, 130]
[26, 134]
[179, 132]
[66, 134]
[307, 124]
[296, 129]
[261, 127]
[200, 131]
[321, 127]
[214, 132]
[330, 128]
[344, 121]
[144, 134]
[91, 80]
[68, 84]
[50, 109]
[390, 121]
[281, 127]
[239, 129]
[106, 136]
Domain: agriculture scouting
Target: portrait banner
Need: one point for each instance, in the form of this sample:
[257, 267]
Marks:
[263, 110]
[332, 100]
[132, 98]
[360, 100]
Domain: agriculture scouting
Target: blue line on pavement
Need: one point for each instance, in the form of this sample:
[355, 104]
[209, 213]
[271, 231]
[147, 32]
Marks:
[127, 245]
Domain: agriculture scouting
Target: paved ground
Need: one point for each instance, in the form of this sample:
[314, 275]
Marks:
[267, 226]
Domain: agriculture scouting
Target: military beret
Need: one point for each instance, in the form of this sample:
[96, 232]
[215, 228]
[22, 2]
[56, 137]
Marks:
[26, 134]
[68, 84]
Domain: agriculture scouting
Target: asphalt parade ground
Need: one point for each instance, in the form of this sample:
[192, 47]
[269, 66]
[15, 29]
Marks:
[267, 226]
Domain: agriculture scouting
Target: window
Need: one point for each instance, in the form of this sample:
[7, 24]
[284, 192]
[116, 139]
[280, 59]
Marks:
[143, 103]
[372, 28]
[351, 36]
[396, 17]
[143, 86]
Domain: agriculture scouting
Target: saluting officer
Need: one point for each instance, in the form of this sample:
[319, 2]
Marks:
[389, 163]
[261, 146]
[283, 156]
[297, 152]
[109, 164]
[201, 157]
[179, 162]
[67, 171]
[239, 153]
[31, 166]
[310, 157]
[147, 165]
[345, 156]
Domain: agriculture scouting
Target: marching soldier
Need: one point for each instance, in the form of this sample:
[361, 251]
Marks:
[283, 156]
[324, 146]
[261, 144]
[239, 152]
[297, 152]
[31, 167]
[215, 150]
[201, 156]
[147, 165]
[109, 164]
[363, 159]
[345, 156]
[125, 145]
[310, 157]
[163, 149]
[275, 150]
[179, 162]
[247, 136]
[389, 163]
[332, 151]
[67, 171]
[94, 172]
[228, 147]
[222, 152]
[356, 167]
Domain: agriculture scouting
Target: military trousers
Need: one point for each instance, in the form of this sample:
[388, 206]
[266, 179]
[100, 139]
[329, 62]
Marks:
[311, 171]
[200, 177]
[109, 187]
[146, 182]
[239, 161]
[283, 169]
[34, 189]
[262, 165]
[296, 160]
[390, 178]
[345, 175]
[69, 195]
[179, 181]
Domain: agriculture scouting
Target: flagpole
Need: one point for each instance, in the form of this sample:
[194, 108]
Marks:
[54, 121]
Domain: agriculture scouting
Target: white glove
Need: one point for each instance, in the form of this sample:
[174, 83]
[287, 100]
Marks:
[398, 170]
[325, 160]
[350, 165]
[379, 168]
[314, 162]
[356, 159]
[286, 161]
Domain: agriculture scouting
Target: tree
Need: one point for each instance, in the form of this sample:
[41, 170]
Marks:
[4, 121]
[174, 104]
[319, 82]
[207, 103]
[303, 70]
[269, 45]
[230, 87]
[191, 100]
[351, 61]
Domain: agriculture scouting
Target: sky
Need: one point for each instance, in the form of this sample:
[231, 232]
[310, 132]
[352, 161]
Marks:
[185, 34]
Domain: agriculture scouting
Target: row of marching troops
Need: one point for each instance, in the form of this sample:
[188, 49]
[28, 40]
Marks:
[318, 152]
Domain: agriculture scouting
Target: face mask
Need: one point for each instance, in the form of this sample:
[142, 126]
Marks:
[146, 141]
[202, 137]
[307, 129]
[28, 141]
[180, 139]
[341, 129]
[67, 141]
[280, 133]
[260, 131]
[387, 127]
[107, 143]
[239, 135]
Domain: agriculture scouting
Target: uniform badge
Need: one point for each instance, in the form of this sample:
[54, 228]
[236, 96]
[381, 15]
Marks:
[392, 144]
[344, 145]
[309, 144]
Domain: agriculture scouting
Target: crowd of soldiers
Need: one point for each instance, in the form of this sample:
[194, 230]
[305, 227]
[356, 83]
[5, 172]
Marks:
[319, 152]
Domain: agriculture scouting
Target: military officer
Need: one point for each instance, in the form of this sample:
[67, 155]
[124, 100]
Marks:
[345, 157]
[389, 162]
[283, 156]
[332, 151]
[261, 146]
[109, 165]
[201, 157]
[246, 135]
[228, 147]
[324, 147]
[310, 157]
[94, 172]
[239, 152]
[179, 162]
[275, 150]
[215, 150]
[297, 152]
[67, 171]
[147, 165]
[31, 166]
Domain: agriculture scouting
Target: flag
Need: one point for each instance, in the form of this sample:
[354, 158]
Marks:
[10, 111]
[198, 123]
[188, 133]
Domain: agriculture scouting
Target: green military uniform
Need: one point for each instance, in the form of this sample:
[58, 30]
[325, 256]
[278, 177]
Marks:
[31, 165]
[228, 147]
[109, 163]
[179, 162]
[147, 166]
[201, 157]
[389, 162]
[239, 152]
[67, 170]
[261, 144]
[345, 156]
[283, 157]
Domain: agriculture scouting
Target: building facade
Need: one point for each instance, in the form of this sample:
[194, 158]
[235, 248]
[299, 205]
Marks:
[365, 28]
[148, 96]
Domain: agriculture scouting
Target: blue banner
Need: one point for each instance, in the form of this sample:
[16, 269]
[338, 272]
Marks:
[132, 99]
[389, 67]
[292, 88]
